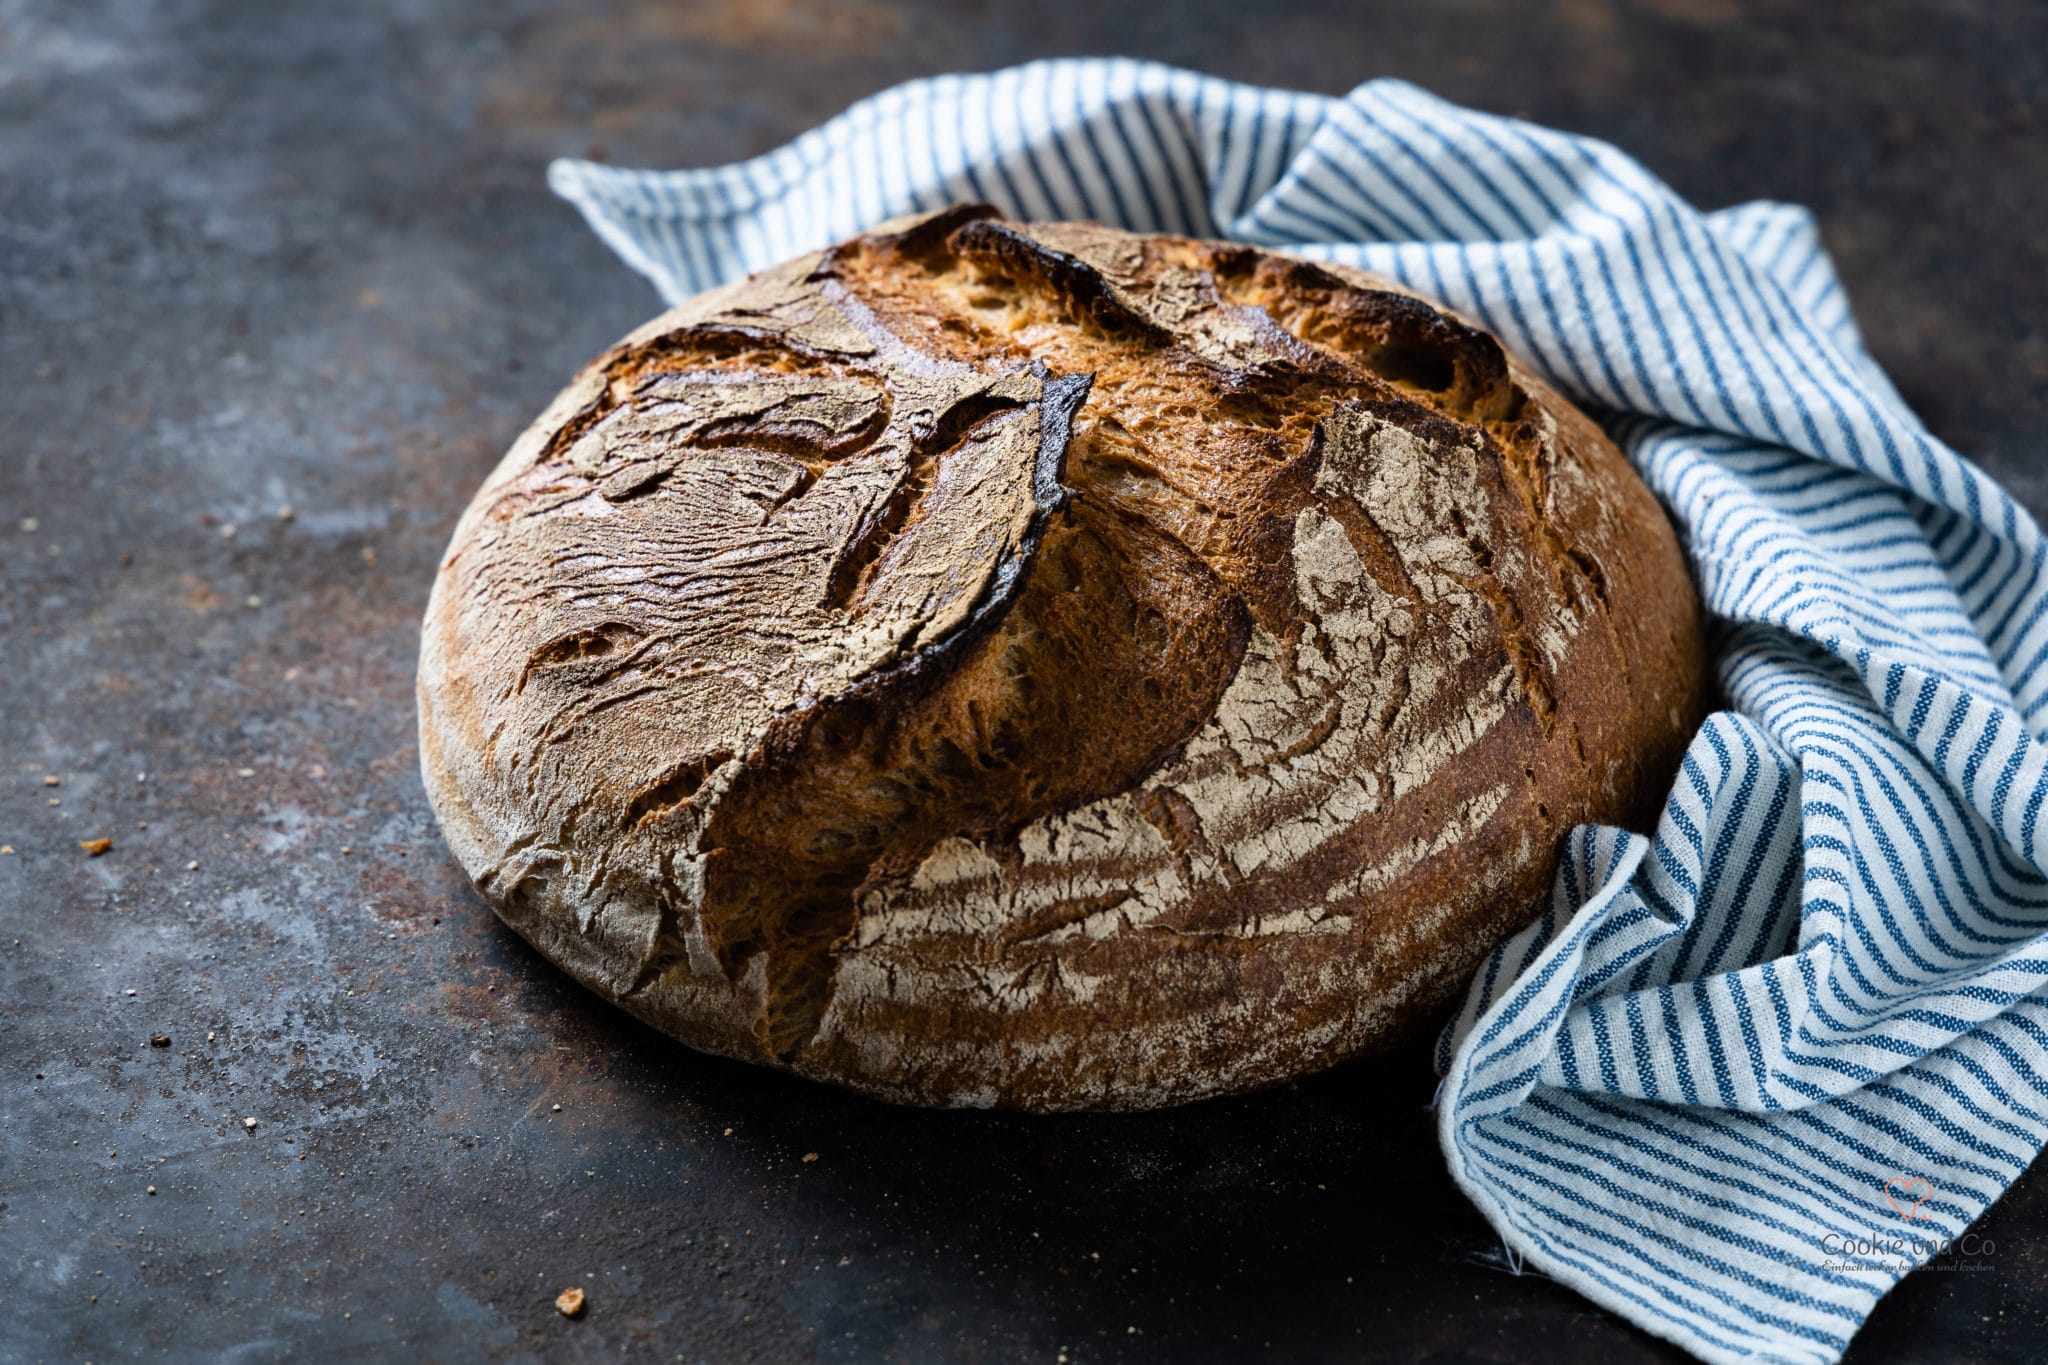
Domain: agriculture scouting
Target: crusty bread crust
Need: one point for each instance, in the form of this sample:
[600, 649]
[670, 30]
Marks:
[1041, 666]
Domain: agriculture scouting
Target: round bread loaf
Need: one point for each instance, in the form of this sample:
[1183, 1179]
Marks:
[1030, 664]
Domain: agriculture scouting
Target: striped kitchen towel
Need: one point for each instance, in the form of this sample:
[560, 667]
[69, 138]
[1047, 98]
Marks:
[1745, 1074]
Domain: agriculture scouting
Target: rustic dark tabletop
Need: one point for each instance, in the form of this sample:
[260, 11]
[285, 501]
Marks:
[252, 259]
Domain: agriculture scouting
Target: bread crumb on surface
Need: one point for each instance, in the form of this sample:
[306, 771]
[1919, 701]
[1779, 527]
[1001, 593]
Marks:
[95, 847]
[810, 1157]
[150, 1190]
[50, 779]
[569, 1303]
[250, 1122]
[159, 1040]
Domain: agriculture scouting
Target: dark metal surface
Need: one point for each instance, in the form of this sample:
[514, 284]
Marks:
[251, 259]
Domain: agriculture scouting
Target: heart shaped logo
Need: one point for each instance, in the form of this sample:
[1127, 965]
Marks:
[1907, 1194]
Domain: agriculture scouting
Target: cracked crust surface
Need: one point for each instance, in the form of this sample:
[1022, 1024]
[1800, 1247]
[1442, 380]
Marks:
[1031, 664]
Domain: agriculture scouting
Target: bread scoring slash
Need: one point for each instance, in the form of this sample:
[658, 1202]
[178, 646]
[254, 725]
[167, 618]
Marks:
[1037, 665]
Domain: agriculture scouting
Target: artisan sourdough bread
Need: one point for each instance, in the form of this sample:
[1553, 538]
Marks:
[1029, 664]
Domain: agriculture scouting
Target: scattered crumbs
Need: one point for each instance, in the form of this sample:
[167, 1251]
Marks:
[250, 1122]
[129, 991]
[192, 866]
[346, 849]
[569, 1303]
[556, 1108]
[254, 601]
[284, 513]
[245, 772]
[369, 555]
[159, 1040]
[49, 779]
[6, 848]
[95, 847]
[209, 1035]
[142, 824]
[728, 1132]
[810, 1157]
[227, 531]
[150, 1190]
[29, 524]
[56, 801]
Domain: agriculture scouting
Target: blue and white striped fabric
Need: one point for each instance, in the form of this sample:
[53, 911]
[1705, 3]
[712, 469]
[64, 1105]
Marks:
[1745, 1074]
